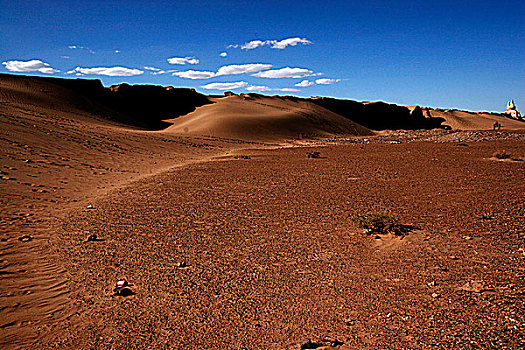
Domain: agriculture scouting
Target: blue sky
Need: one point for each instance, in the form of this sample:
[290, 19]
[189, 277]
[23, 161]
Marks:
[457, 54]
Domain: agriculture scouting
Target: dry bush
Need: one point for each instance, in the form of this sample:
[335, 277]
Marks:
[379, 223]
[502, 154]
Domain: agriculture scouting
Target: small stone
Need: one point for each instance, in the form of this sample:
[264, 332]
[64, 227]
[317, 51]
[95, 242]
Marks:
[122, 284]
[92, 238]
[89, 207]
[473, 286]
[182, 264]
[25, 238]
[435, 295]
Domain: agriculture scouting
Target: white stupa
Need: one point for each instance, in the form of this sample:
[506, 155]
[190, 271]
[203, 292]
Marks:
[512, 110]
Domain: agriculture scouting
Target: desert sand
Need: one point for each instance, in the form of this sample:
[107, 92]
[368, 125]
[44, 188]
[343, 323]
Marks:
[232, 238]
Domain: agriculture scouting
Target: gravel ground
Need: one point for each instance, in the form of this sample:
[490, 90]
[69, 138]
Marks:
[273, 255]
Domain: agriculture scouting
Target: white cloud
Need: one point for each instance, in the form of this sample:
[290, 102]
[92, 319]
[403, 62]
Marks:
[195, 74]
[78, 47]
[284, 73]
[267, 88]
[327, 81]
[223, 54]
[157, 71]
[29, 66]
[305, 83]
[289, 42]
[259, 88]
[109, 71]
[225, 86]
[117, 51]
[254, 44]
[224, 70]
[242, 68]
[183, 60]
[274, 44]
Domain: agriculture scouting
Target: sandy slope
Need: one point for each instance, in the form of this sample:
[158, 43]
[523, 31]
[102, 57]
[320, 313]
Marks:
[463, 120]
[59, 153]
[265, 119]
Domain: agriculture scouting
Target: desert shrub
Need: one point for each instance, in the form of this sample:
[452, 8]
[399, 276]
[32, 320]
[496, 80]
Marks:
[379, 223]
[314, 154]
[502, 154]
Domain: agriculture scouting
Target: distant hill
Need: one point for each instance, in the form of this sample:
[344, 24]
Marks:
[246, 116]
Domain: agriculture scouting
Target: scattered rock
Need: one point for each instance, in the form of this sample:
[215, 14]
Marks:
[182, 264]
[122, 289]
[92, 238]
[435, 295]
[26, 238]
[486, 217]
[474, 287]
[89, 207]
[122, 284]
[314, 154]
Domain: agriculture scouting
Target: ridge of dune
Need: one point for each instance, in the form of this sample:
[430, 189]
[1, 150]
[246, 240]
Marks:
[263, 118]
[379, 115]
[466, 120]
[135, 106]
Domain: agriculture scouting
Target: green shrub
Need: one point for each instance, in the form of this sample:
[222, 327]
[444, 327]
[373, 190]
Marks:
[379, 223]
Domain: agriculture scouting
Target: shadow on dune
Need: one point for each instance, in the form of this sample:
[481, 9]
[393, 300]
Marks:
[143, 106]
[380, 115]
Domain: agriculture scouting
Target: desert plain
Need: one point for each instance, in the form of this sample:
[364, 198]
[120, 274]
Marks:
[231, 237]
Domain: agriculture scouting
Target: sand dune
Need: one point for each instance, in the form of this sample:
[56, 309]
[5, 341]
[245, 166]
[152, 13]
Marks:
[464, 120]
[379, 115]
[138, 106]
[257, 117]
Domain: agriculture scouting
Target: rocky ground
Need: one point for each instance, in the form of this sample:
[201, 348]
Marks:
[263, 252]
